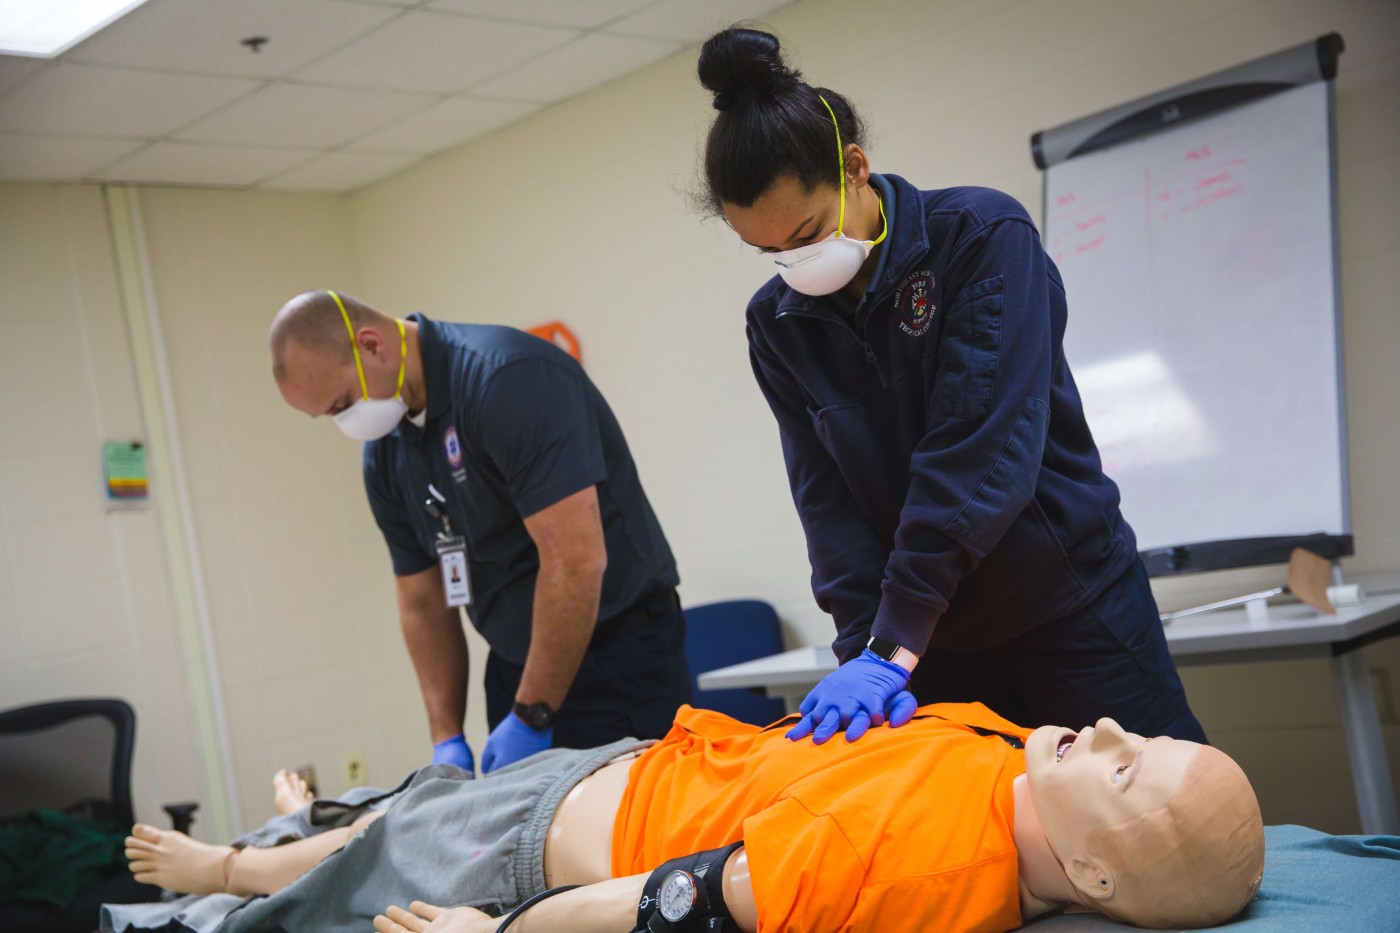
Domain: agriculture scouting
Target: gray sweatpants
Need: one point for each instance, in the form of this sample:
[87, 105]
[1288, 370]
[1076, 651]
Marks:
[445, 839]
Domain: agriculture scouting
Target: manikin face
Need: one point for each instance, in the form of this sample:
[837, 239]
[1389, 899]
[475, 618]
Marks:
[1100, 778]
[320, 382]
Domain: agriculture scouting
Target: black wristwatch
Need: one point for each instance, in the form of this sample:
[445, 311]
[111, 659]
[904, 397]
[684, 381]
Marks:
[895, 654]
[535, 715]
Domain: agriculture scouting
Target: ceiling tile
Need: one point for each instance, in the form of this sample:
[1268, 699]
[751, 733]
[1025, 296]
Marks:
[434, 52]
[58, 158]
[94, 101]
[578, 14]
[14, 69]
[292, 115]
[192, 164]
[687, 21]
[575, 68]
[195, 35]
[341, 171]
[443, 125]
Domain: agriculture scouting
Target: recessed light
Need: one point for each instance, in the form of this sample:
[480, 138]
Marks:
[48, 28]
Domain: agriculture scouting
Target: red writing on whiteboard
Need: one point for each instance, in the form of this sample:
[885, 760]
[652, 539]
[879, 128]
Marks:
[1214, 181]
[1091, 222]
[1063, 199]
[1095, 243]
[1195, 155]
[1210, 197]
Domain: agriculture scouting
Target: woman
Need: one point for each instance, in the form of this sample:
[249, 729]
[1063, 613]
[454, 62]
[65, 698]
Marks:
[961, 530]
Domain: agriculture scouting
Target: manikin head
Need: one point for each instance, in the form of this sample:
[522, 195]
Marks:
[1155, 832]
[318, 368]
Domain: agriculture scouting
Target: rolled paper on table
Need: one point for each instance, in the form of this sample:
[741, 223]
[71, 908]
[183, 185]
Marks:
[1349, 594]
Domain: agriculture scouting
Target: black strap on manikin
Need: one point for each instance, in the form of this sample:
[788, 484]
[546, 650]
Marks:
[707, 867]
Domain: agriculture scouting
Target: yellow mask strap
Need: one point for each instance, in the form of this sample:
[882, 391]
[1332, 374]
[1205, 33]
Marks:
[355, 349]
[841, 167]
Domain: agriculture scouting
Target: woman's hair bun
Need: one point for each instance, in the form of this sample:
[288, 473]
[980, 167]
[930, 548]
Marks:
[738, 63]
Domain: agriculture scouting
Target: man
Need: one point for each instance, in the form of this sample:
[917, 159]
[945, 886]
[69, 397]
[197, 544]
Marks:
[959, 820]
[501, 481]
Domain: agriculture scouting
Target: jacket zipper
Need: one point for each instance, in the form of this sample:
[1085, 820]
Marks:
[847, 328]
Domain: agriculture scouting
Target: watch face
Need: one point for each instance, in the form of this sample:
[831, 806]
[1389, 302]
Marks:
[677, 895]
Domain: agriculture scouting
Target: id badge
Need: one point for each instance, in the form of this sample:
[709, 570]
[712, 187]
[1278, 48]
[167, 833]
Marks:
[452, 558]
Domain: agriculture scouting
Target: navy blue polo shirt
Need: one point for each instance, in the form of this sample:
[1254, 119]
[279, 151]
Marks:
[513, 426]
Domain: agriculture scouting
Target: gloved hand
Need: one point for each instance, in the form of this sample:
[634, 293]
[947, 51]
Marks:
[454, 751]
[511, 741]
[865, 691]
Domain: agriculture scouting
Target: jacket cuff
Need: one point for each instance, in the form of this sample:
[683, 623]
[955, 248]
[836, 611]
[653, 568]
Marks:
[907, 622]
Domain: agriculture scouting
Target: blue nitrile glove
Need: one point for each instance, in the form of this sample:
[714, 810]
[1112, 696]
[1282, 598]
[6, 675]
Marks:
[865, 691]
[454, 751]
[511, 741]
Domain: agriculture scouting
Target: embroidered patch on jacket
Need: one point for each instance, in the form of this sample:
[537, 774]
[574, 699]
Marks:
[453, 447]
[914, 302]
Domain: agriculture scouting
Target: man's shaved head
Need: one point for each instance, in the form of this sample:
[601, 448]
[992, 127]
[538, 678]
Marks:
[312, 322]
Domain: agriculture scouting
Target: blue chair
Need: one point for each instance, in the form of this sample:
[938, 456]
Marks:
[720, 634]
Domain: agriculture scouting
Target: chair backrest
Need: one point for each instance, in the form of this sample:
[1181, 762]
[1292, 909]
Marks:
[67, 753]
[720, 634]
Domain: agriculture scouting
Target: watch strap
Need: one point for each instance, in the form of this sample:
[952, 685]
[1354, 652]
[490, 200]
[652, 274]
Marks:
[535, 715]
[895, 654]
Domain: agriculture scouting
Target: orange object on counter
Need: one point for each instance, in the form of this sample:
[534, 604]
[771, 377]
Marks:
[559, 335]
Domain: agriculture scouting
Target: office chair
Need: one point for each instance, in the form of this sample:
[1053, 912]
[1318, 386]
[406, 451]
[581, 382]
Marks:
[74, 756]
[720, 634]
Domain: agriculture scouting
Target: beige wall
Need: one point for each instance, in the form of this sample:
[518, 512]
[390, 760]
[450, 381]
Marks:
[578, 213]
[85, 608]
[299, 589]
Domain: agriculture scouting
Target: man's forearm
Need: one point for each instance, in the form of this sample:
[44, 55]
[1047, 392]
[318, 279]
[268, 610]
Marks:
[565, 615]
[438, 647]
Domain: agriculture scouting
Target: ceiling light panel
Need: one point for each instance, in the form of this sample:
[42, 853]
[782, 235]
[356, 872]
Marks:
[46, 28]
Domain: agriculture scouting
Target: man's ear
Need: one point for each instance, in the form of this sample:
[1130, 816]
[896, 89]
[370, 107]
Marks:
[1092, 878]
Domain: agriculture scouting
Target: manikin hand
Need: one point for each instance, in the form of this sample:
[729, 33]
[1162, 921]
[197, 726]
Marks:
[865, 691]
[511, 741]
[425, 918]
[454, 751]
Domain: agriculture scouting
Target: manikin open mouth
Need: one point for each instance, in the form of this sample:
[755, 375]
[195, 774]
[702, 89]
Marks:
[1064, 745]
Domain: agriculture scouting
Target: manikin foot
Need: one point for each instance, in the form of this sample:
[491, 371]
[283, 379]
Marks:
[290, 792]
[174, 861]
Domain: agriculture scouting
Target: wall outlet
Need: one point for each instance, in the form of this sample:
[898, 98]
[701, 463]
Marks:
[1385, 700]
[354, 771]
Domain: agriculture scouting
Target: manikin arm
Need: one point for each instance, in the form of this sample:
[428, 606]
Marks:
[438, 647]
[606, 907]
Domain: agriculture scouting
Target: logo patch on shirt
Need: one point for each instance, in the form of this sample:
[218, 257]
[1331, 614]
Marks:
[914, 302]
[453, 447]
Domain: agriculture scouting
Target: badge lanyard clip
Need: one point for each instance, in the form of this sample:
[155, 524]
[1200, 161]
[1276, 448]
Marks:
[451, 551]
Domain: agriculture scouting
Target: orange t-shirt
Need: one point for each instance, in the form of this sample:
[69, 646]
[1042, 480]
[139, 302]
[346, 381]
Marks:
[906, 829]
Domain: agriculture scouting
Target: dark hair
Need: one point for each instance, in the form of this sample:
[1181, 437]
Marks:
[770, 122]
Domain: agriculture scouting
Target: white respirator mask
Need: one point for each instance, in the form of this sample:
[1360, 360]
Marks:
[369, 419]
[828, 265]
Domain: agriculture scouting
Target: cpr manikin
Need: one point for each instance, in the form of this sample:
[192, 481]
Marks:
[1155, 832]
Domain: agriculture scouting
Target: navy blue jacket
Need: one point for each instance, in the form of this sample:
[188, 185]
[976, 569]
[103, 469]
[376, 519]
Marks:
[947, 482]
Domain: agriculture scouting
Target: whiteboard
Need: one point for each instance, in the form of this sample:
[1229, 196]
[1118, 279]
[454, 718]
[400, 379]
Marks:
[1203, 329]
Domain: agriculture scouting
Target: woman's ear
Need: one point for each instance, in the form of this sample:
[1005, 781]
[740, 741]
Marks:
[857, 166]
[1092, 878]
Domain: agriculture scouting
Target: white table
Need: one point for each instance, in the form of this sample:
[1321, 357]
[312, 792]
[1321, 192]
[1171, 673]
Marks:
[1229, 636]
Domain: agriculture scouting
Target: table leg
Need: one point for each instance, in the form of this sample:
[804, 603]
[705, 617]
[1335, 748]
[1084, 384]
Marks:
[1370, 770]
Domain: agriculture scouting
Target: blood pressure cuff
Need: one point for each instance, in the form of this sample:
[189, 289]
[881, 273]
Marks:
[708, 868]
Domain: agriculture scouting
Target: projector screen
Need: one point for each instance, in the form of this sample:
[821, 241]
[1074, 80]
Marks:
[1204, 323]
